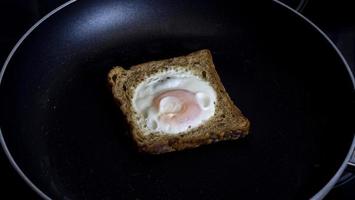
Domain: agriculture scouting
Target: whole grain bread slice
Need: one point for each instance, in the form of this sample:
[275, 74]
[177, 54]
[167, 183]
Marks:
[228, 122]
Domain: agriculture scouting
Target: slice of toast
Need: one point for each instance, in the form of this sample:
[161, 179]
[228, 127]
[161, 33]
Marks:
[227, 123]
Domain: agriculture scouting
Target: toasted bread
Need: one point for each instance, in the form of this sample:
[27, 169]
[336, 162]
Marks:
[227, 123]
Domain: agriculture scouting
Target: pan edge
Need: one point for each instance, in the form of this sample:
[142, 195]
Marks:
[2, 140]
[326, 188]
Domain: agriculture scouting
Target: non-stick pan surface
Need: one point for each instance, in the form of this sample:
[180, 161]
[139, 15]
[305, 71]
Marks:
[67, 136]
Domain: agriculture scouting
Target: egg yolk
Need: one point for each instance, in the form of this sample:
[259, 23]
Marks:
[177, 107]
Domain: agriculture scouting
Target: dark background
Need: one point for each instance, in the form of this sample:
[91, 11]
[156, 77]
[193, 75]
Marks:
[336, 18]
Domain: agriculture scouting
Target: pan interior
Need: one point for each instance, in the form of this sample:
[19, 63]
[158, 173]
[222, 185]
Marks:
[65, 132]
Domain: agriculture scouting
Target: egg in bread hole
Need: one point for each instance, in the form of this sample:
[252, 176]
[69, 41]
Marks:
[176, 103]
[173, 102]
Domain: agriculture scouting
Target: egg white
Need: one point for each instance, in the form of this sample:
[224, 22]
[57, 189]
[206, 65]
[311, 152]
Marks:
[147, 115]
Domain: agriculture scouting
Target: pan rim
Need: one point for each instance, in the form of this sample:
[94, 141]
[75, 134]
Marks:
[319, 195]
[327, 187]
[7, 61]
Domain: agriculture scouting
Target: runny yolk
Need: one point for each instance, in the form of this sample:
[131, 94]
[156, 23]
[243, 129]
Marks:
[177, 107]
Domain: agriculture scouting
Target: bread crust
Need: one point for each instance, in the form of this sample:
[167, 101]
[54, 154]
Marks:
[228, 122]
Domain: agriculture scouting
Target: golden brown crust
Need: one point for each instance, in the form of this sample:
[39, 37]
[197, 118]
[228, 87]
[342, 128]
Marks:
[228, 122]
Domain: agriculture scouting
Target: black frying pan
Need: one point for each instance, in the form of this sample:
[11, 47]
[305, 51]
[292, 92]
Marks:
[64, 135]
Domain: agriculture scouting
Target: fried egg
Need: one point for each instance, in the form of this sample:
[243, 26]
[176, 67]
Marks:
[173, 101]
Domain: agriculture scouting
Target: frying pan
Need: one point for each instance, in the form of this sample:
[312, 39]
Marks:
[67, 139]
